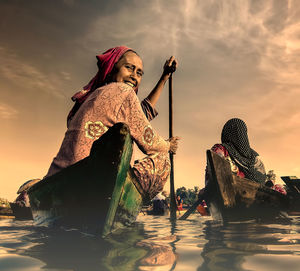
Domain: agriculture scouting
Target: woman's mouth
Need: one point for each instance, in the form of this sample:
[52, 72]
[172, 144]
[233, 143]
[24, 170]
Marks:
[130, 84]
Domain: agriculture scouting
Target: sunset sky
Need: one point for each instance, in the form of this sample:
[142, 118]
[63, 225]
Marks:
[237, 58]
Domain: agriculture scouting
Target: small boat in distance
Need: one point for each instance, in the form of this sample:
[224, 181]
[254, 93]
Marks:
[231, 198]
[293, 191]
[98, 194]
[20, 212]
[6, 212]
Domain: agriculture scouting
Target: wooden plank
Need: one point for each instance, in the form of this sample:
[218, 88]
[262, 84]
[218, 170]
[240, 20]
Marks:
[221, 173]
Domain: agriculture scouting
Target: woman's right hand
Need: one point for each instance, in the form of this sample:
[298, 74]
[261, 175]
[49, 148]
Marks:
[173, 144]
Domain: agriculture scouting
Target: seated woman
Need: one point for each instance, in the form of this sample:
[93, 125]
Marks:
[244, 161]
[235, 148]
[109, 98]
[179, 202]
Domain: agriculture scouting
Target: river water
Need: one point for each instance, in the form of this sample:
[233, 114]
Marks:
[154, 243]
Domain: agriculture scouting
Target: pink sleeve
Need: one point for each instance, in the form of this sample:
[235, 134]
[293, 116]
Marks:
[141, 130]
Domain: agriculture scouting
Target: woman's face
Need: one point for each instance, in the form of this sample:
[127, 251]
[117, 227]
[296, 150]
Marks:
[129, 70]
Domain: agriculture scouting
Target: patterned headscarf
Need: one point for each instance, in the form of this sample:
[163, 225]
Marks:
[106, 62]
[235, 139]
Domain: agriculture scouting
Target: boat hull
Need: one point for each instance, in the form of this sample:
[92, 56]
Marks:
[97, 194]
[231, 198]
[293, 191]
[21, 212]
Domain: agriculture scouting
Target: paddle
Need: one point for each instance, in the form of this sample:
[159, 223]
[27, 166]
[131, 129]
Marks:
[207, 193]
[173, 204]
[192, 208]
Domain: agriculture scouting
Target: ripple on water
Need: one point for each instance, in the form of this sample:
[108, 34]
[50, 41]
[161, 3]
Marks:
[154, 243]
[12, 262]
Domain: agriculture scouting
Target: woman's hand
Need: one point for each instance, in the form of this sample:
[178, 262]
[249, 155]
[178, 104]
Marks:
[169, 67]
[173, 144]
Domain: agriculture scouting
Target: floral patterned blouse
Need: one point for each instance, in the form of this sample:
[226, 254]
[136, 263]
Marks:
[107, 105]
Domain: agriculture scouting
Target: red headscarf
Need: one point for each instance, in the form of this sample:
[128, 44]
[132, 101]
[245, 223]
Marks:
[105, 63]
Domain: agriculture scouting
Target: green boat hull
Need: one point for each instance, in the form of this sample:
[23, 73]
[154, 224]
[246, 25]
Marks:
[98, 194]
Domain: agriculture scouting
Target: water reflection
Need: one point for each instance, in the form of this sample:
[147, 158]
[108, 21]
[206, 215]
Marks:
[246, 246]
[154, 243]
[46, 249]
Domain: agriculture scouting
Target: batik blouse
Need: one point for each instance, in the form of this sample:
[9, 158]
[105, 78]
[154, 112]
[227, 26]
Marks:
[106, 106]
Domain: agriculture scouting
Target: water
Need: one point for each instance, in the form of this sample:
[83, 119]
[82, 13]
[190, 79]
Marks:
[153, 243]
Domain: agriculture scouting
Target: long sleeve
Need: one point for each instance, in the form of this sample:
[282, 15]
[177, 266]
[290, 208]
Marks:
[141, 130]
[149, 111]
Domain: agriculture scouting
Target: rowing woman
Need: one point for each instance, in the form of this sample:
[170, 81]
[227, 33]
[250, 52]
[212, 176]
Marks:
[110, 97]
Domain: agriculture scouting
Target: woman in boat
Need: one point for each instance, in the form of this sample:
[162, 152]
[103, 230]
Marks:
[244, 161]
[110, 97]
[179, 202]
[159, 204]
[235, 148]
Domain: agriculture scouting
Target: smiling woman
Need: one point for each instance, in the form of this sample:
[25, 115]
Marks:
[110, 97]
[129, 70]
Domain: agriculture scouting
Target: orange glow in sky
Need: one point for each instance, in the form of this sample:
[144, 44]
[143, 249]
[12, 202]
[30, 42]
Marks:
[236, 59]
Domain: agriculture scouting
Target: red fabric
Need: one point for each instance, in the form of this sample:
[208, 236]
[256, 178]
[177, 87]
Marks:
[222, 151]
[202, 210]
[279, 188]
[106, 62]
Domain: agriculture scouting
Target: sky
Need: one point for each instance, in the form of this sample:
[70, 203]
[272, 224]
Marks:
[237, 58]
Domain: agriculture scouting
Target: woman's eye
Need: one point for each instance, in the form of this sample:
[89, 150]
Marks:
[131, 68]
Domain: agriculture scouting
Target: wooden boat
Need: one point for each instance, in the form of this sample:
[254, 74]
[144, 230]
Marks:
[6, 212]
[21, 212]
[98, 194]
[231, 198]
[293, 191]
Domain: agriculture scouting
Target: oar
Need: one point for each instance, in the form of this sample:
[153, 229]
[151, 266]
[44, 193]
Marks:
[173, 204]
[192, 208]
[206, 194]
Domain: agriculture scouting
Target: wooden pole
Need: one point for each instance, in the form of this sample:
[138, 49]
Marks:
[173, 205]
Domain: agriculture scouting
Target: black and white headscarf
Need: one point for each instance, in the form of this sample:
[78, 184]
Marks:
[235, 139]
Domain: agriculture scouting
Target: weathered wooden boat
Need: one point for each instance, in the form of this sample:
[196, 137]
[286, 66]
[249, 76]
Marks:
[293, 191]
[98, 194]
[231, 198]
[21, 212]
[6, 212]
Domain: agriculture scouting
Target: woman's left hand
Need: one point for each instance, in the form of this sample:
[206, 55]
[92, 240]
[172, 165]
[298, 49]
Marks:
[170, 67]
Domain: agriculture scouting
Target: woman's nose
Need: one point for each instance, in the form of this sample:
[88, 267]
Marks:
[134, 76]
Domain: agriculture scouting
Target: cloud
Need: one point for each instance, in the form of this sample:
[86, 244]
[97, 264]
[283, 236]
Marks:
[236, 59]
[7, 112]
[25, 75]
[229, 51]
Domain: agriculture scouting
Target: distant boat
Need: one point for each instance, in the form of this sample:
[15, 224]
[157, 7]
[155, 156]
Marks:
[21, 212]
[98, 194]
[231, 198]
[293, 185]
[6, 212]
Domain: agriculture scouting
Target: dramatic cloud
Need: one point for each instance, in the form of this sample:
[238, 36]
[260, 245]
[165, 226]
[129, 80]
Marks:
[236, 59]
